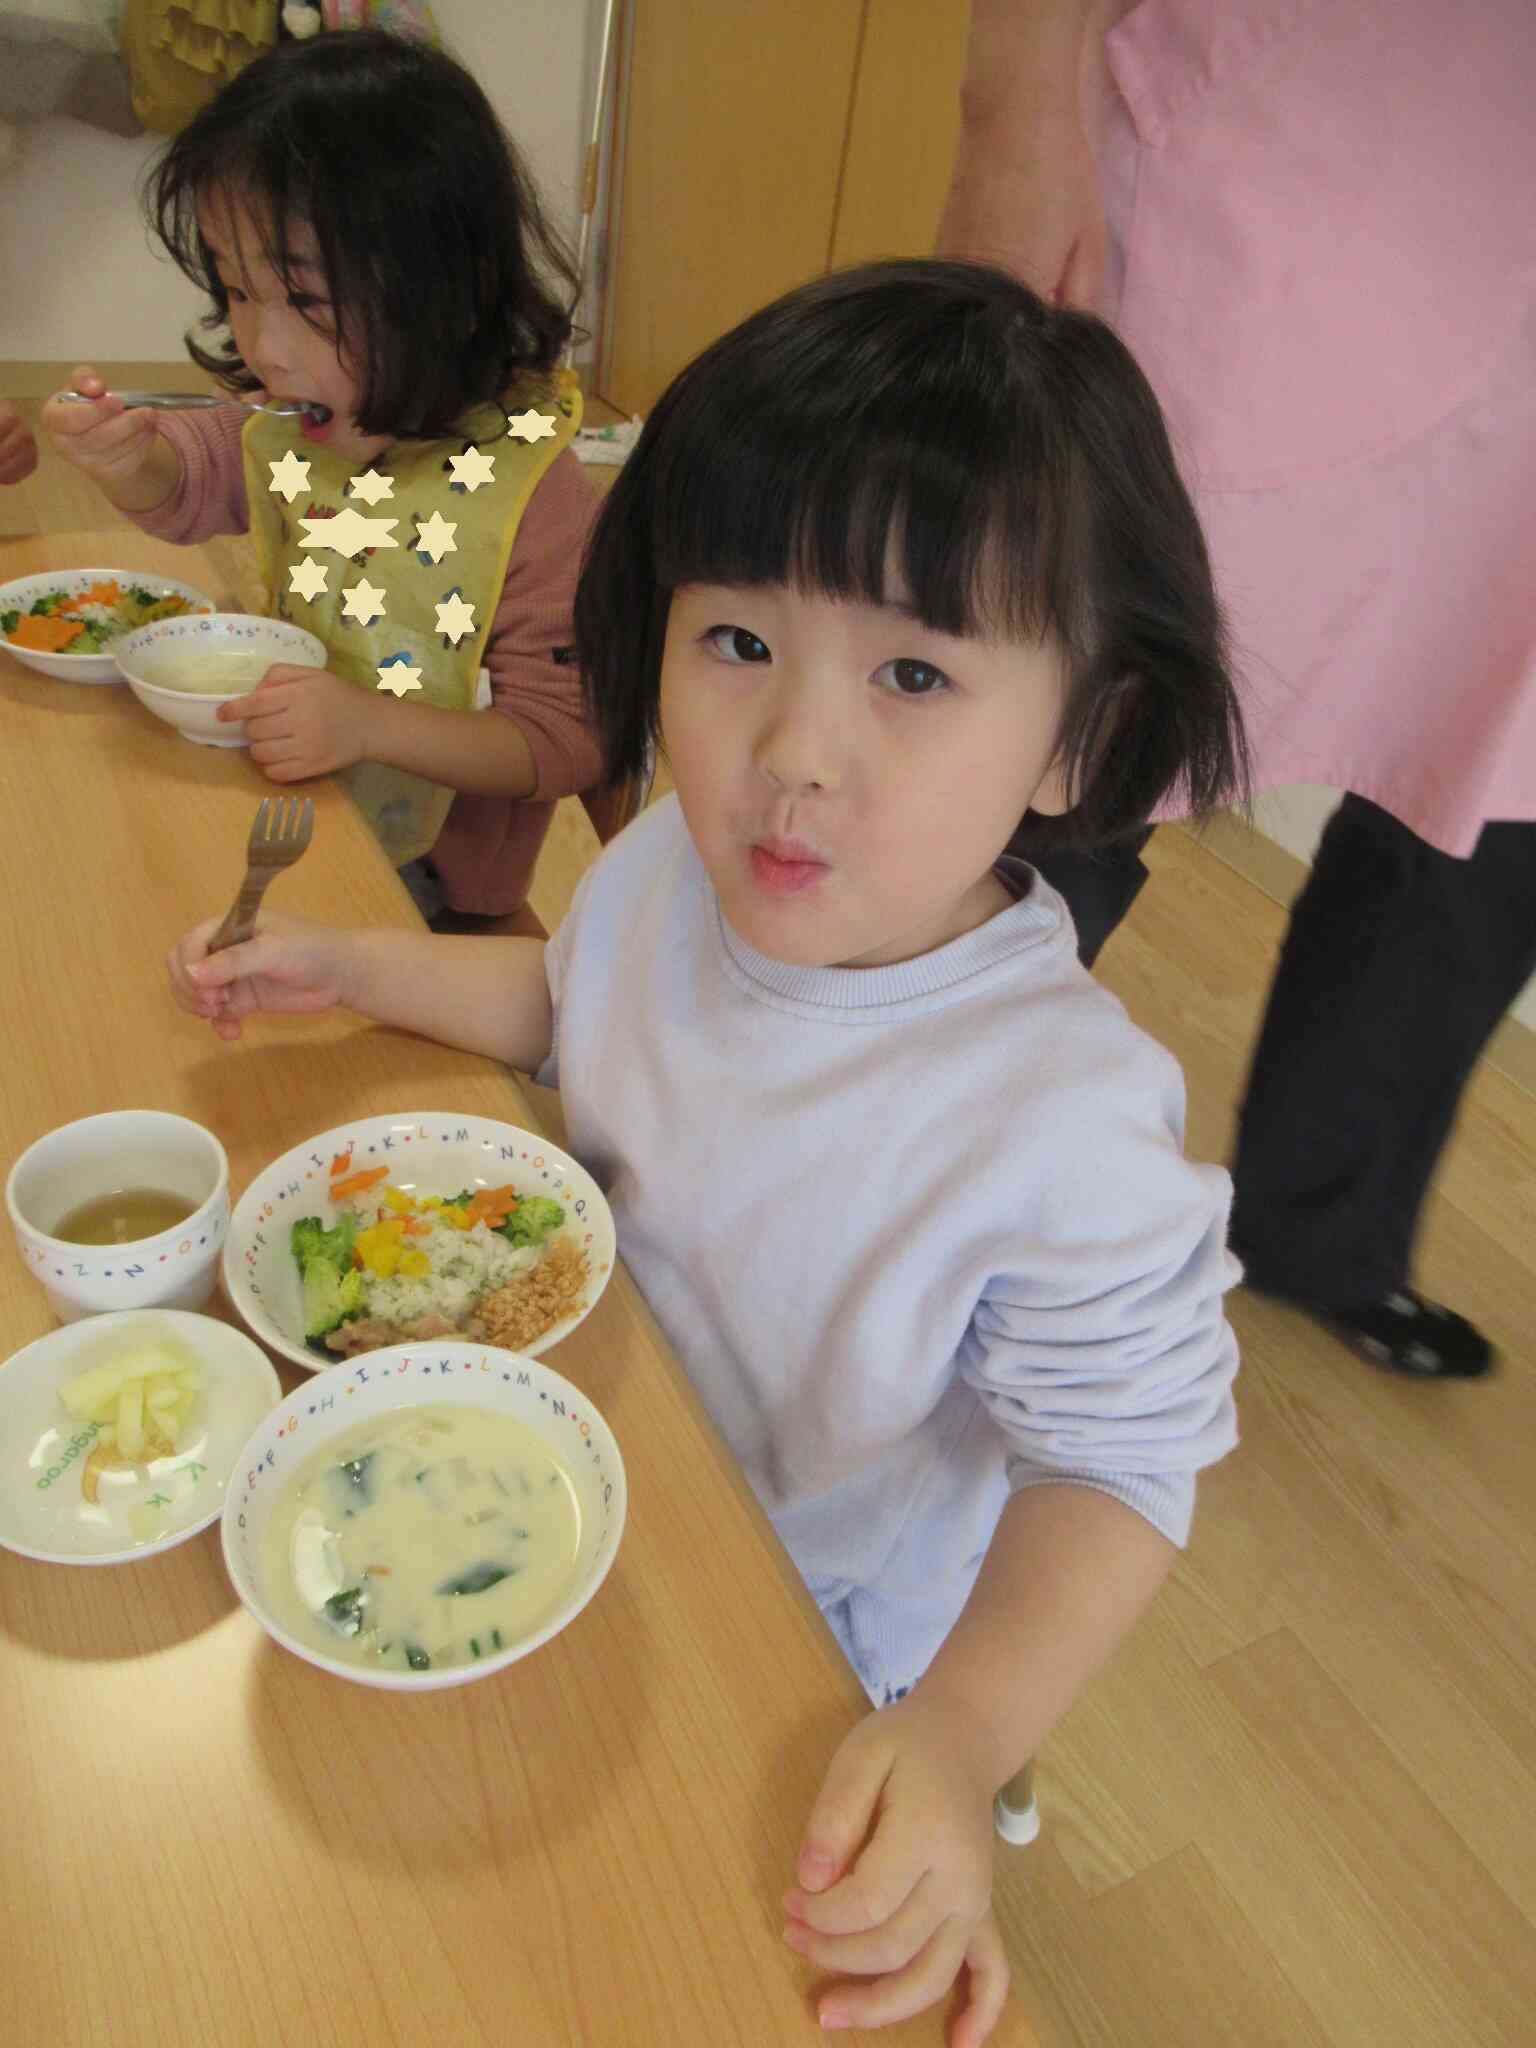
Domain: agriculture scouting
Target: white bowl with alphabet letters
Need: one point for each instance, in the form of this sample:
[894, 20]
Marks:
[426, 1152]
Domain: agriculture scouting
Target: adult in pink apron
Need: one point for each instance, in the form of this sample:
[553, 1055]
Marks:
[1312, 221]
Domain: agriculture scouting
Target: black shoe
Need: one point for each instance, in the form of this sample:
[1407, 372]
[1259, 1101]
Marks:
[1407, 1332]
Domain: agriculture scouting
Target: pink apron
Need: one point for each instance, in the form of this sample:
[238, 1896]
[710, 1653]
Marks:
[1324, 218]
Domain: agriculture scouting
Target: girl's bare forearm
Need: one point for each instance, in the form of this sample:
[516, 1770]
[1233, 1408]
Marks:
[482, 995]
[1069, 1572]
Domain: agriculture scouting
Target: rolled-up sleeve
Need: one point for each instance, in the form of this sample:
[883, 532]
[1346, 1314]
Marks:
[1105, 1356]
[210, 499]
[529, 684]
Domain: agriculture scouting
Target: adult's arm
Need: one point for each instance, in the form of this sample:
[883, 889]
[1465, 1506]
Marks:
[1025, 189]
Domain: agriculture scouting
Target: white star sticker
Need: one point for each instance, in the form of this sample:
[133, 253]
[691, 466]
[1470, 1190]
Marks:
[289, 477]
[370, 487]
[399, 678]
[531, 426]
[455, 618]
[473, 468]
[349, 533]
[363, 602]
[434, 536]
[308, 578]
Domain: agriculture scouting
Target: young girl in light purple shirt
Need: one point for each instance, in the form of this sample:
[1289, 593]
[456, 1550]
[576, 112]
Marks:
[902, 576]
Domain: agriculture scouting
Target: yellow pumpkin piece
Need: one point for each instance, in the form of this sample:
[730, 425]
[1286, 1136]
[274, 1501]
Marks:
[402, 1204]
[414, 1265]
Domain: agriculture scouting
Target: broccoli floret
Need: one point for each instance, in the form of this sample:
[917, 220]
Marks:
[330, 1298]
[9, 621]
[534, 1219]
[311, 1241]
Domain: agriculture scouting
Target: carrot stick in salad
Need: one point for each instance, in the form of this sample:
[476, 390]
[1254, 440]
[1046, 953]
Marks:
[358, 1183]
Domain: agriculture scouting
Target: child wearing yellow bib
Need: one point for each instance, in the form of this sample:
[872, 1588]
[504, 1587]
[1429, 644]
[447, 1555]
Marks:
[367, 235]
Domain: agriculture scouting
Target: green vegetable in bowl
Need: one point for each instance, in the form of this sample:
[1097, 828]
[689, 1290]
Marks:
[333, 1286]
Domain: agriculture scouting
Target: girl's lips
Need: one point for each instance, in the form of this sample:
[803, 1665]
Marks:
[781, 876]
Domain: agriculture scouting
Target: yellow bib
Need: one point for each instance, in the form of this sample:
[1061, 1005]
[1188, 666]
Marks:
[415, 576]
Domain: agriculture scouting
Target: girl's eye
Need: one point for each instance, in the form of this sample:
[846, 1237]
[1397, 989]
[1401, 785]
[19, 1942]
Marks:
[235, 296]
[302, 302]
[735, 644]
[907, 678]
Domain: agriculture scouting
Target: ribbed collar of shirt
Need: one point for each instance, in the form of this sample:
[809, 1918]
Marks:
[948, 974]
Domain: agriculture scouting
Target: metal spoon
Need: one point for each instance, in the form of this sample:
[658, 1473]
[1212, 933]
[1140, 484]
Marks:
[193, 401]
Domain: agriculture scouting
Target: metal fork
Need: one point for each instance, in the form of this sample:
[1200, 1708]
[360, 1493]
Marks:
[187, 401]
[284, 827]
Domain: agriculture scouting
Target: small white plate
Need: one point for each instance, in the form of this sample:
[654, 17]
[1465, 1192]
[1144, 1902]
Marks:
[83, 668]
[433, 1152]
[43, 1512]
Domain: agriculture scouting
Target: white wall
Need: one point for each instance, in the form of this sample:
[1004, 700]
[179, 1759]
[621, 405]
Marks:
[77, 278]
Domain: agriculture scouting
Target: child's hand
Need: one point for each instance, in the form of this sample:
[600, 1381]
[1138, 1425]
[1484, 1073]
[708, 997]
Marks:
[289, 966]
[18, 450]
[302, 722]
[109, 443]
[910, 1905]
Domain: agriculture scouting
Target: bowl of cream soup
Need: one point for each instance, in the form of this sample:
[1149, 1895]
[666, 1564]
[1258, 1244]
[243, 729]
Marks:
[183, 669]
[425, 1515]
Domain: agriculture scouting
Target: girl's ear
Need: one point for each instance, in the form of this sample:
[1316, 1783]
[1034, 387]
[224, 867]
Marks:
[1052, 799]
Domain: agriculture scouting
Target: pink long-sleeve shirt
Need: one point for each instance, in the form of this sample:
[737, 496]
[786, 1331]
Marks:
[486, 852]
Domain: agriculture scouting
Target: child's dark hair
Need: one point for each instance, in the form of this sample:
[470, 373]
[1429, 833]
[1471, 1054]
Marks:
[448, 286]
[1010, 459]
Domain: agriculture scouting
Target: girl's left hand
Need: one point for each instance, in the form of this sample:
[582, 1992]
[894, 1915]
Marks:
[302, 721]
[908, 1907]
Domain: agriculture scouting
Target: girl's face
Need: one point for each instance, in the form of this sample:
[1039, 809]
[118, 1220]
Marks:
[850, 776]
[267, 318]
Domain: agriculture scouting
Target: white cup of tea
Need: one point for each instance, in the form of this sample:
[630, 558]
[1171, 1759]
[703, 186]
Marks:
[125, 1210]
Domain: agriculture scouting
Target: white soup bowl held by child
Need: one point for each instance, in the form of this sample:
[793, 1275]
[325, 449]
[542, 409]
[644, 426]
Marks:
[122, 1153]
[184, 669]
[440, 1374]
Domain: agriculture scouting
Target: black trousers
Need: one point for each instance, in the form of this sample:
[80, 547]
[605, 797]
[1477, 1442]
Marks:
[1398, 964]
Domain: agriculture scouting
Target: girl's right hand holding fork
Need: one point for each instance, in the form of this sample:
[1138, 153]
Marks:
[122, 451]
[289, 966]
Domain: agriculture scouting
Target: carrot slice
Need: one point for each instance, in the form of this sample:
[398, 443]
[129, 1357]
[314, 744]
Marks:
[99, 593]
[45, 634]
[340, 1163]
[358, 1183]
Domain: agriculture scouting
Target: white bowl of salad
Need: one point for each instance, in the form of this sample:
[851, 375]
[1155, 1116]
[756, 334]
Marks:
[403, 1229]
[64, 622]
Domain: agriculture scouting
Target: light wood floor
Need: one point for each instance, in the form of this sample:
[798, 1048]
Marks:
[1301, 1807]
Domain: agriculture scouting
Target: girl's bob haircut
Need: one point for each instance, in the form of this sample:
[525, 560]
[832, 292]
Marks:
[1009, 459]
[447, 287]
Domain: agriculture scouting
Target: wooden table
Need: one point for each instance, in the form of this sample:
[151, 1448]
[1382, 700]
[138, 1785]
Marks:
[206, 1841]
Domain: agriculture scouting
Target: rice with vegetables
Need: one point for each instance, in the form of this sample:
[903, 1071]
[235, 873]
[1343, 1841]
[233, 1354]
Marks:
[396, 1268]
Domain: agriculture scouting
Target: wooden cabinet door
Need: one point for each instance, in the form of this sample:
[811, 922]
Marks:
[735, 120]
[904, 123]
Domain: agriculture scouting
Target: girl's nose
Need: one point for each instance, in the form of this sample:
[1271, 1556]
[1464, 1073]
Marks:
[799, 748]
